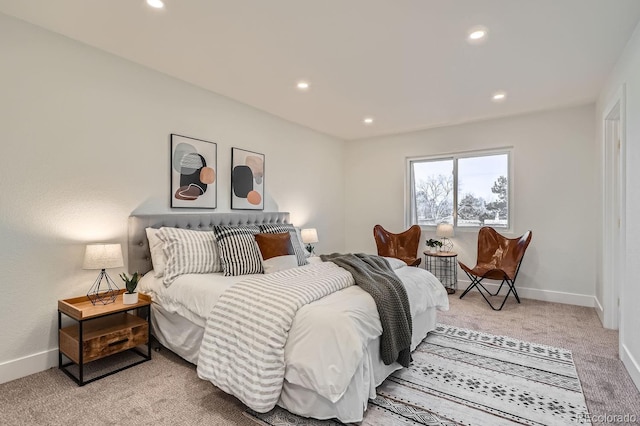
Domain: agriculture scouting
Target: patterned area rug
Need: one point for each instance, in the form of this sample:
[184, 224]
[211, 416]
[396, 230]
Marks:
[460, 376]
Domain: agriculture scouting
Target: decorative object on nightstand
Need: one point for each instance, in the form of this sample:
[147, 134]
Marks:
[130, 297]
[309, 237]
[103, 256]
[445, 231]
[433, 245]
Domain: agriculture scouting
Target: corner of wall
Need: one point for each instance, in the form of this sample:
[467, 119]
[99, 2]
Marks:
[599, 309]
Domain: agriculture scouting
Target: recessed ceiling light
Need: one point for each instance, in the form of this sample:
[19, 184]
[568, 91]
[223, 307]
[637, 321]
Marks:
[368, 120]
[158, 4]
[477, 35]
[302, 85]
[499, 96]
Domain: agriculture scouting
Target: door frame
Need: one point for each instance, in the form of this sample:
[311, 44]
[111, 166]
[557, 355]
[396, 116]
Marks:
[614, 210]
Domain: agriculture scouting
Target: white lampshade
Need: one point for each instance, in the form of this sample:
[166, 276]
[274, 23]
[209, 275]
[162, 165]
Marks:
[444, 230]
[309, 235]
[102, 256]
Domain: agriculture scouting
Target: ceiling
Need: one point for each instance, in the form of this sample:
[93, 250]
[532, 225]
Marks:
[406, 63]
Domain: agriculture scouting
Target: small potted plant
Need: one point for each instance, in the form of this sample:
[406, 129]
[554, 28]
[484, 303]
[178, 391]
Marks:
[130, 297]
[433, 245]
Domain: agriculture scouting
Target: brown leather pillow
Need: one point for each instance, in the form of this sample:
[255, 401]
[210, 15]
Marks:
[274, 245]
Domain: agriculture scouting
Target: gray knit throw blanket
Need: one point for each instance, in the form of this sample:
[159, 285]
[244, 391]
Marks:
[374, 275]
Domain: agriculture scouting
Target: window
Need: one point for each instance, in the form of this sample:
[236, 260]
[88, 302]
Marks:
[466, 190]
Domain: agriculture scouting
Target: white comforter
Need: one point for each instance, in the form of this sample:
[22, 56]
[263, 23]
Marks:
[242, 350]
[327, 338]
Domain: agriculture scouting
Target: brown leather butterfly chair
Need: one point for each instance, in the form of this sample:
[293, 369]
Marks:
[499, 258]
[403, 246]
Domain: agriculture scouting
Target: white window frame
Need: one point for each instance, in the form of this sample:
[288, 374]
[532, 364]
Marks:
[409, 186]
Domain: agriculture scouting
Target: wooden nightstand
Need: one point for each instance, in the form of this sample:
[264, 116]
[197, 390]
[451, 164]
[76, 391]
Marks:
[100, 331]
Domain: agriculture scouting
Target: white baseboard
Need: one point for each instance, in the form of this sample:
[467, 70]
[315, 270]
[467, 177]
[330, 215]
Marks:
[537, 294]
[631, 365]
[599, 310]
[28, 365]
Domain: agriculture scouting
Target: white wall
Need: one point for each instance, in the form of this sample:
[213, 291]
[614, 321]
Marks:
[627, 73]
[85, 142]
[554, 159]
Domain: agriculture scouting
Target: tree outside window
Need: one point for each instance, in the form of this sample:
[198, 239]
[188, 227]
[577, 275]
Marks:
[478, 187]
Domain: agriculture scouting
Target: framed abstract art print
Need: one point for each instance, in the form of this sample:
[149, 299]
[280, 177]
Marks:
[193, 173]
[247, 180]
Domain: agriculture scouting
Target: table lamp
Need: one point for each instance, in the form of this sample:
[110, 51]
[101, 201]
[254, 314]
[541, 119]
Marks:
[309, 237]
[445, 231]
[103, 256]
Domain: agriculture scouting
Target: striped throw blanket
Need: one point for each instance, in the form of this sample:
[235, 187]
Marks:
[242, 351]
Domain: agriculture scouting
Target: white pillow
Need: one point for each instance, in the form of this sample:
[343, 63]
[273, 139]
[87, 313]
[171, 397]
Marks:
[188, 252]
[157, 254]
[395, 263]
[279, 263]
[316, 259]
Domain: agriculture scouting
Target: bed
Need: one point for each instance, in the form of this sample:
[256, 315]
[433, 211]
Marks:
[328, 377]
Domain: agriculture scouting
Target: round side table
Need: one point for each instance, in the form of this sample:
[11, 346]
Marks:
[444, 265]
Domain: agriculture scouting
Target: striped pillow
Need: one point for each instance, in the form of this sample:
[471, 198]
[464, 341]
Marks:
[307, 254]
[188, 252]
[238, 250]
[298, 248]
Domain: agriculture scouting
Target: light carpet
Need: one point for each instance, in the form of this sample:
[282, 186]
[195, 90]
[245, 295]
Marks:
[461, 376]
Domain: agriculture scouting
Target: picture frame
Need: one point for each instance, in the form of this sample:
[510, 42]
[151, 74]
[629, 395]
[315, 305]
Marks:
[194, 167]
[247, 179]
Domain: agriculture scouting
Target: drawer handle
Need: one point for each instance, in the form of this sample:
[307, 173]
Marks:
[118, 342]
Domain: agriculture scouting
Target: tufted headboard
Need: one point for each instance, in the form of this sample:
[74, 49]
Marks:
[139, 254]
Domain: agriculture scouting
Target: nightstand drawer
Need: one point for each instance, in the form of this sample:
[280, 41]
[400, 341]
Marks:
[104, 336]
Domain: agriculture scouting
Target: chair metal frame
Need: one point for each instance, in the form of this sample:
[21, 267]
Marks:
[476, 280]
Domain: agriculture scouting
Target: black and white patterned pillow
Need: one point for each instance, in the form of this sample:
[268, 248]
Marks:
[188, 252]
[307, 253]
[298, 248]
[238, 250]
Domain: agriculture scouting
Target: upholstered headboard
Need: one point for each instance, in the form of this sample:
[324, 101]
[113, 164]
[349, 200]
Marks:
[139, 254]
